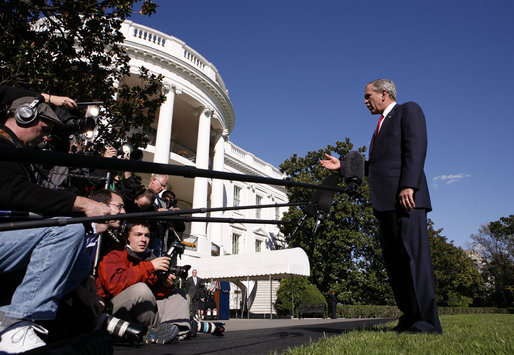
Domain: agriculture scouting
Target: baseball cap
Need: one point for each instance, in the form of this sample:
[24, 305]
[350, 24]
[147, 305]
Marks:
[44, 111]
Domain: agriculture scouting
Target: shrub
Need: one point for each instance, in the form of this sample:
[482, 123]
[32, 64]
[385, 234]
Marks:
[303, 293]
[365, 311]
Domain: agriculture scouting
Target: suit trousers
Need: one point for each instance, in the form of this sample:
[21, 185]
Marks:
[408, 261]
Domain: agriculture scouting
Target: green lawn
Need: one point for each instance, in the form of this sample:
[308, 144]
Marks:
[462, 334]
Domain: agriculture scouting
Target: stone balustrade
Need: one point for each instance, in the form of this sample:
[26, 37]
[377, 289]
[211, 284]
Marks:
[169, 45]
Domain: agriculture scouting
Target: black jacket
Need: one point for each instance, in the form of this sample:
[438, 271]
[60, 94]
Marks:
[18, 188]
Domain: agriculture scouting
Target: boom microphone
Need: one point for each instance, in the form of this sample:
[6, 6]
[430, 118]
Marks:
[353, 170]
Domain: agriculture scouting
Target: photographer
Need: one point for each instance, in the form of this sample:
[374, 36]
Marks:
[51, 257]
[104, 235]
[128, 279]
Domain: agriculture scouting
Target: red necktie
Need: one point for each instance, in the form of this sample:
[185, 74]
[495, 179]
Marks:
[376, 134]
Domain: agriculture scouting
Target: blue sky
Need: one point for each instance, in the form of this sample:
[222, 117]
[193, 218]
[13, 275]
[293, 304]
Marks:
[296, 72]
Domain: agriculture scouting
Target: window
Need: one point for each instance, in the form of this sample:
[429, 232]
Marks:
[258, 245]
[237, 196]
[235, 243]
[258, 202]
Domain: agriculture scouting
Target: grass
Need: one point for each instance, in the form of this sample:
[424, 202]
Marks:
[462, 334]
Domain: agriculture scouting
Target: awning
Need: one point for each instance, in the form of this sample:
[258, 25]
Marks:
[256, 266]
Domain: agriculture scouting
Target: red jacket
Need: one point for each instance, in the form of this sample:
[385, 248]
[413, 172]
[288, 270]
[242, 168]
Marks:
[120, 269]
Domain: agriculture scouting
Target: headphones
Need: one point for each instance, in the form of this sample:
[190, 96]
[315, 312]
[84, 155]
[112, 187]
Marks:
[25, 114]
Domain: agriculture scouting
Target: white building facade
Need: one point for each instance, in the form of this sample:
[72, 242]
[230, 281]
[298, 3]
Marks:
[192, 128]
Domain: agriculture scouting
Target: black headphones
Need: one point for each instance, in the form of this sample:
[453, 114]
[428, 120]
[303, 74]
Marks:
[25, 114]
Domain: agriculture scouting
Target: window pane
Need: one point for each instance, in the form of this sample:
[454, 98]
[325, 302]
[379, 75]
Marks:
[258, 244]
[237, 196]
[235, 243]
[258, 201]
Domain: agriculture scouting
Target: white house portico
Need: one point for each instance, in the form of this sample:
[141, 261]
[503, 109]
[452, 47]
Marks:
[192, 128]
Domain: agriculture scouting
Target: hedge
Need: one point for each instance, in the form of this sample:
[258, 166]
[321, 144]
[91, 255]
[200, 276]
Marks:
[367, 311]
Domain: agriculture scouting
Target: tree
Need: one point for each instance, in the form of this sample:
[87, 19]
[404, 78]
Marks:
[74, 48]
[457, 280]
[345, 253]
[494, 244]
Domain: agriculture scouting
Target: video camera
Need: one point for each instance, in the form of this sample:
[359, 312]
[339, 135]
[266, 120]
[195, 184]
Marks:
[176, 249]
[79, 123]
[127, 149]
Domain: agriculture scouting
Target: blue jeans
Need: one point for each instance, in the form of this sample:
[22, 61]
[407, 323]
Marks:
[54, 263]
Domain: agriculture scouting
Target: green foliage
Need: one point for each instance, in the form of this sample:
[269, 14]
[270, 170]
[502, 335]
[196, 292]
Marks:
[313, 296]
[73, 48]
[367, 311]
[303, 293]
[457, 280]
[372, 311]
[494, 247]
[345, 254]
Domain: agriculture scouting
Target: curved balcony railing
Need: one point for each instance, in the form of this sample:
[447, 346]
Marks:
[170, 45]
[251, 160]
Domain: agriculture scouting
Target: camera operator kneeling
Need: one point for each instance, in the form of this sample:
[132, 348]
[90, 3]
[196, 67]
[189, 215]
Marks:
[128, 279]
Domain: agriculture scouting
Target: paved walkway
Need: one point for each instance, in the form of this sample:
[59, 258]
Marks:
[257, 336]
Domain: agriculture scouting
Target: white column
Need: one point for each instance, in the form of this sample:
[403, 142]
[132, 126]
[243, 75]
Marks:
[218, 164]
[202, 162]
[163, 138]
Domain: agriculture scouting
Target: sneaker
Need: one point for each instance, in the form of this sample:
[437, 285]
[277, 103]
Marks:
[21, 337]
[161, 334]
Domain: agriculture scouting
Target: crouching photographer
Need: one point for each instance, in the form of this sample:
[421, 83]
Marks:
[127, 278]
[140, 288]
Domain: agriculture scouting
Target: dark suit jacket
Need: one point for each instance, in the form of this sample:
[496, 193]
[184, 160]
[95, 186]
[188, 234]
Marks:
[398, 158]
[194, 291]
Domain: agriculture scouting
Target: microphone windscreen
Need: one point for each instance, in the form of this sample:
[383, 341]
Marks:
[327, 196]
[311, 209]
[322, 199]
[353, 169]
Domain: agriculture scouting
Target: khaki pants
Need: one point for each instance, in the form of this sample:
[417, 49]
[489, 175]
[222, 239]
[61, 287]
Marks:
[137, 304]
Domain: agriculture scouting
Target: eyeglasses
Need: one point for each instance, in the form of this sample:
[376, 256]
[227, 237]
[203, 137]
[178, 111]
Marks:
[119, 205]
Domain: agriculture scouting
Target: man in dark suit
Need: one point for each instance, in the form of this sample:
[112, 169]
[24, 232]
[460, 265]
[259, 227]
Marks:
[400, 199]
[333, 304]
[193, 288]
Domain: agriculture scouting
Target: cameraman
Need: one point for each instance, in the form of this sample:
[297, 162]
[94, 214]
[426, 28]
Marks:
[51, 256]
[127, 278]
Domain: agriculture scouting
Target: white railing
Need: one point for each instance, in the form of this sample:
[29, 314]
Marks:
[149, 36]
[237, 151]
[170, 45]
[189, 55]
[251, 160]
